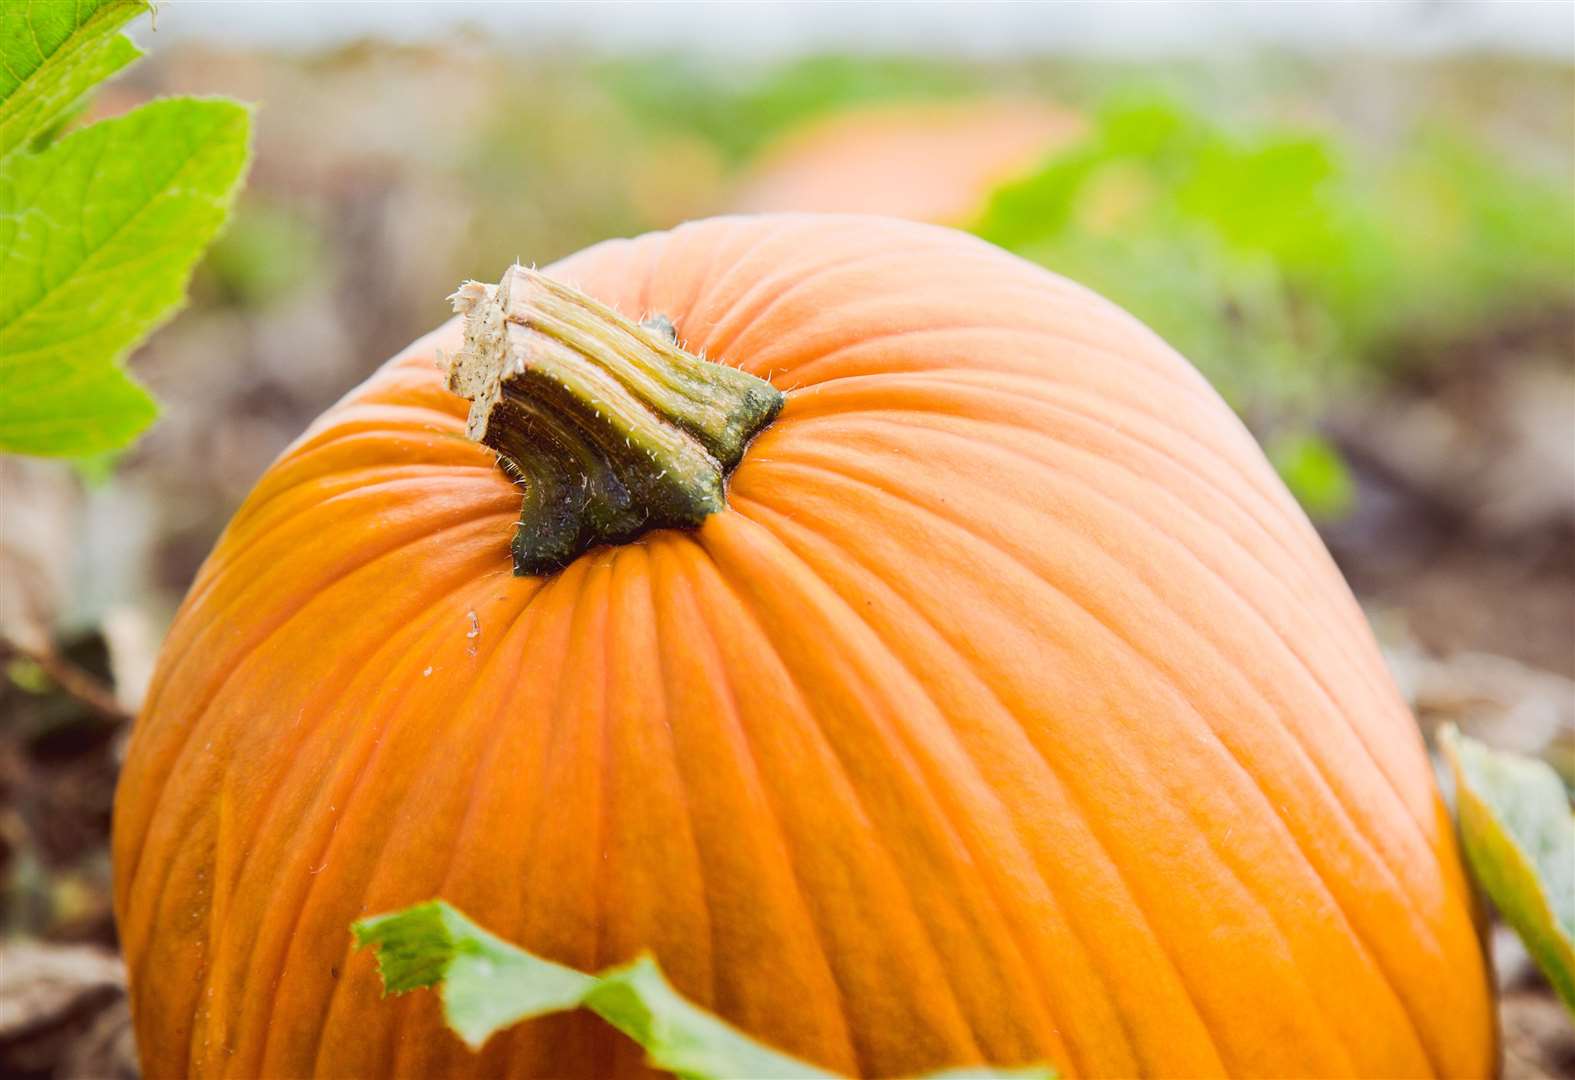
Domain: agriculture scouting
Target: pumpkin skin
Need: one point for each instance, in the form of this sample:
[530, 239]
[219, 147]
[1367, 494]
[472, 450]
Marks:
[1011, 712]
[935, 162]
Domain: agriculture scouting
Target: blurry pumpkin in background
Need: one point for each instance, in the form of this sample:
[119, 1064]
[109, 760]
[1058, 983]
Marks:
[931, 161]
[1010, 711]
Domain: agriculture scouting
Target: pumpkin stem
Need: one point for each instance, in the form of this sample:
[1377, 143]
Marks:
[610, 427]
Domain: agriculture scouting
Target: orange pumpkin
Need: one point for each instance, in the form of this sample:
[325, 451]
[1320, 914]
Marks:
[934, 161]
[1009, 711]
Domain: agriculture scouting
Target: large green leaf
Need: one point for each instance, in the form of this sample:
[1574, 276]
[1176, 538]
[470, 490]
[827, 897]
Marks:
[52, 52]
[98, 235]
[487, 984]
[1519, 836]
[94, 411]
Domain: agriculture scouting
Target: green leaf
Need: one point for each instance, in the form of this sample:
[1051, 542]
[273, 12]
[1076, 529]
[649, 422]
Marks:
[52, 52]
[92, 411]
[487, 984]
[98, 236]
[1519, 837]
[678, 1036]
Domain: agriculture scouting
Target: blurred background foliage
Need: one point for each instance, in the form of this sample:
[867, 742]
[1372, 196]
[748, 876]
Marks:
[1290, 263]
[1373, 259]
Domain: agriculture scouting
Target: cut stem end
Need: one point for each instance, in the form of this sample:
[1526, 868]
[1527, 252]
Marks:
[609, 426]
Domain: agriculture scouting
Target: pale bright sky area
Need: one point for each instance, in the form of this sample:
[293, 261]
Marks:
[772, 27]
